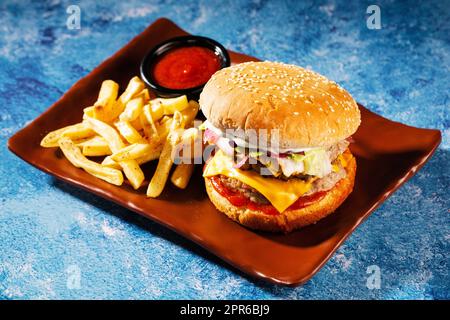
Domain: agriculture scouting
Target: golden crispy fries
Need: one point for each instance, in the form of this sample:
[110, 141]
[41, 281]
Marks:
[129, 132]
[132, 109]
[133, 151]
[165, 162]
[73, 154]
[148, 123]
[135, 86]
[77, 131]
[108, 162]
[182, 174]
[106, 99]
[190, 113]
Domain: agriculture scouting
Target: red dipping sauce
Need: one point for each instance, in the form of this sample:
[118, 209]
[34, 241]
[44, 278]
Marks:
[185, 67]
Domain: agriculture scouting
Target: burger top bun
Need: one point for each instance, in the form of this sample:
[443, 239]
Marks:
[307, 109]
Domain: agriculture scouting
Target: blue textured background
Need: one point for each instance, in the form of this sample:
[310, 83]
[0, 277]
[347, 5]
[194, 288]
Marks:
[48, 227]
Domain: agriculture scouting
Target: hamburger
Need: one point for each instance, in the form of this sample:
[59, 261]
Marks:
[303, 171]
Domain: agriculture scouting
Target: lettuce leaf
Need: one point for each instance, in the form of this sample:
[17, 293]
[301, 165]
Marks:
[317, 163]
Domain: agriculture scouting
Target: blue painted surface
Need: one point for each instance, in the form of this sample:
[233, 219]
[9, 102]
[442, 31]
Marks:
[50, 231]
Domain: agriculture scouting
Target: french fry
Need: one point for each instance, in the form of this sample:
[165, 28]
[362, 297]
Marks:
[135, 86]
[74, 155]
[101, 176]
[81, 142]
[106, 99]
[51, 139]
[88, 112]
[95, 140]
[159, 179]
[190, 113]
[148, 123]
[163, 127]
[148, 132]
[129, 132]
[108, 162]
[133, 151]
[76, 132]
[132, 110]
[188, 142]
[145, 94]
[174, 104]
[182, 174]
[130, 167]
[137, 124]
[157, 109]
[165, 162]
[79, 131]
[133, 173]
[190, 134]
[107, 132]
[155, 154]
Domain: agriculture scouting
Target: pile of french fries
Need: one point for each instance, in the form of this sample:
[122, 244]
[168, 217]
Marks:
[128, 131]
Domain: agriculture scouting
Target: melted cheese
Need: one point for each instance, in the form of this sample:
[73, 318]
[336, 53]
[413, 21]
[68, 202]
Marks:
[281, 194]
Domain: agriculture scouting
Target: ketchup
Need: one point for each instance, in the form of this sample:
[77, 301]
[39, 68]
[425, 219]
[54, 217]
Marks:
[239, 200]
[185, 67]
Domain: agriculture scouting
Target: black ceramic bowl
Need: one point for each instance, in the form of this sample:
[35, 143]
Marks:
[153, 55]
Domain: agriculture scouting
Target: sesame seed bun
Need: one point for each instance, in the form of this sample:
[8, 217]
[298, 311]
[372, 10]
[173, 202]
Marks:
[308, 109]
[288, 220]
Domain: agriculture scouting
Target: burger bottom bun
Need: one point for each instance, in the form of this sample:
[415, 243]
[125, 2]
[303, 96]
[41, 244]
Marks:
[288, 220]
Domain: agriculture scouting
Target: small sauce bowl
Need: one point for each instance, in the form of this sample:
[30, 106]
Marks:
[183, 65]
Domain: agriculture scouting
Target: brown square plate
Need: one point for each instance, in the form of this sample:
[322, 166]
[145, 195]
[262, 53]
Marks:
[388, 153]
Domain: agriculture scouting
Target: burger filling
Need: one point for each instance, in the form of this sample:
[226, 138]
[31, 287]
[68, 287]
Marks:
[281, 179]
[282, 164]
